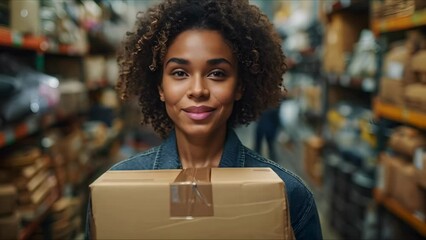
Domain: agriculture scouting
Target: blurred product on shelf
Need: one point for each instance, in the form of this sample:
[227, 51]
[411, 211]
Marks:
[31, 92]
[64, 219]
[8, 196]
[363, 62]
[397, 179]
[401, 69]
[25, 16]
[95, 71]
[312, 161]
[342, 33]
[9, 226]
[405, 140]
[396, 8]
[73, 98]
[420, 164]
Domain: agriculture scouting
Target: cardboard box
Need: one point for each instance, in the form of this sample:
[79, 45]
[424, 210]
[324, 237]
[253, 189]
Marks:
[312, 159]
[415, 96]
[9, 226]
[420, 164]
[25, 16]
[418, 66]
[391, 91]
[342, 33]
[405, 140]
[406, 190]
[217, 203]
[7, 199]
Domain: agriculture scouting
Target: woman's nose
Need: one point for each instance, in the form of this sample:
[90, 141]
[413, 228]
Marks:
[198, 88]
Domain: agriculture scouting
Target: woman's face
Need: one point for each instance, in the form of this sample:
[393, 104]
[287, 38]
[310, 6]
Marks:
[199, 82]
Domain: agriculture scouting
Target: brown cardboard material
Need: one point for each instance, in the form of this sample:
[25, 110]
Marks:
[418, 66]
[249, 203]
[388, 166]
[7, 199]
[420, 164]
[405, 140]
[406, 190]
[415, 96]
[341, 35]
[9, 226]
[391, 91]
[312, 160]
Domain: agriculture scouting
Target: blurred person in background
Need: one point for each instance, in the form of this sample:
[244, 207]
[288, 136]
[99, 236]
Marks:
[267, 128]
[199, 69]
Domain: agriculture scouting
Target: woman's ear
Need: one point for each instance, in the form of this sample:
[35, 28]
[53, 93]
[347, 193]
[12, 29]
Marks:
[161, 93]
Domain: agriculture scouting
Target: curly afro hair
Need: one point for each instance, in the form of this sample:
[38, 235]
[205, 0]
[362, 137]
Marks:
[253, 39]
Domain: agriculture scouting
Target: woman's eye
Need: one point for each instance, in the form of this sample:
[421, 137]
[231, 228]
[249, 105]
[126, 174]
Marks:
[217, 74]
[179, 74]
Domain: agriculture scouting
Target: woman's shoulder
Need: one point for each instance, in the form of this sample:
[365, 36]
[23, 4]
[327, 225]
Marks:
[141, 161]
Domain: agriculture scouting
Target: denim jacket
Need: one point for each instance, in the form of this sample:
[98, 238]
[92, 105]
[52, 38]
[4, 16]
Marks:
[303, 211]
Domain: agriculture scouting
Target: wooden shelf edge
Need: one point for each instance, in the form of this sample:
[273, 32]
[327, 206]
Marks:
[396, 208]
[392, 24]
[399, 114]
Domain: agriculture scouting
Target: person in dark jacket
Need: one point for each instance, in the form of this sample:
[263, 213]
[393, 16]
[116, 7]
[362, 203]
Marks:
[200, 68]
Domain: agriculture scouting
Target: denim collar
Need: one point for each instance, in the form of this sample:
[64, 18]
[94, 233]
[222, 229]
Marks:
[168, 158]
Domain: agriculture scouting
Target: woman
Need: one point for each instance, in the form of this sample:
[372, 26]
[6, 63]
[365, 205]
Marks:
[199, 68]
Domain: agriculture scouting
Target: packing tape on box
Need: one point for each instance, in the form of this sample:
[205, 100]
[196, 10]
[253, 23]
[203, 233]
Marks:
[191, 194]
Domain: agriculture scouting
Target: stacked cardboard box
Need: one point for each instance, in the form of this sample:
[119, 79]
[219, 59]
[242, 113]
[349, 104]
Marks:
[399, 180]
[9, 220]
[26, 169]
[415, 93]
[402, 82]
[342, 33]
[65, 220]
[312, 160]
[402, 170]
[396, 8]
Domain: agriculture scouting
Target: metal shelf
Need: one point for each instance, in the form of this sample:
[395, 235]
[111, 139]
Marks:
[395, 207]
[399, 23]
[399, 114]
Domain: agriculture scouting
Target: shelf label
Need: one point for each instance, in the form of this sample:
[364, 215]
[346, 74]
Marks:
[418, 158]
[9, 136]
[17, 39]
[368, 84]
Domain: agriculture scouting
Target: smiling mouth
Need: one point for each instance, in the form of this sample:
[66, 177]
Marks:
[198, 112]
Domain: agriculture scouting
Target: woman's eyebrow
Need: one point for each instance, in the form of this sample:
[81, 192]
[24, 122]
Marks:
[178, 61]
[216, 61]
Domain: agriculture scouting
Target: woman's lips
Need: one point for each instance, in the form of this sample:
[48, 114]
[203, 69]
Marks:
[198, 112]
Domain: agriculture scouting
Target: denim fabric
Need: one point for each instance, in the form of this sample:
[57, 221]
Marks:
[303, 211]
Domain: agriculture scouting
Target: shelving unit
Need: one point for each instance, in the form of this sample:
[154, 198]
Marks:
[396, 208]
[399, 114]
[30, 228]
[362, 84]
[392, 24]
[9, 38]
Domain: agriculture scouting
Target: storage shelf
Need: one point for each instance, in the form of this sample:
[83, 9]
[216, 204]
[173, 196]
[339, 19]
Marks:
[366, 84]
[392, 24]
[30, 228]
[9, 38]
[32, 124]
[394, 207]
[399, 114]
[10, 134]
